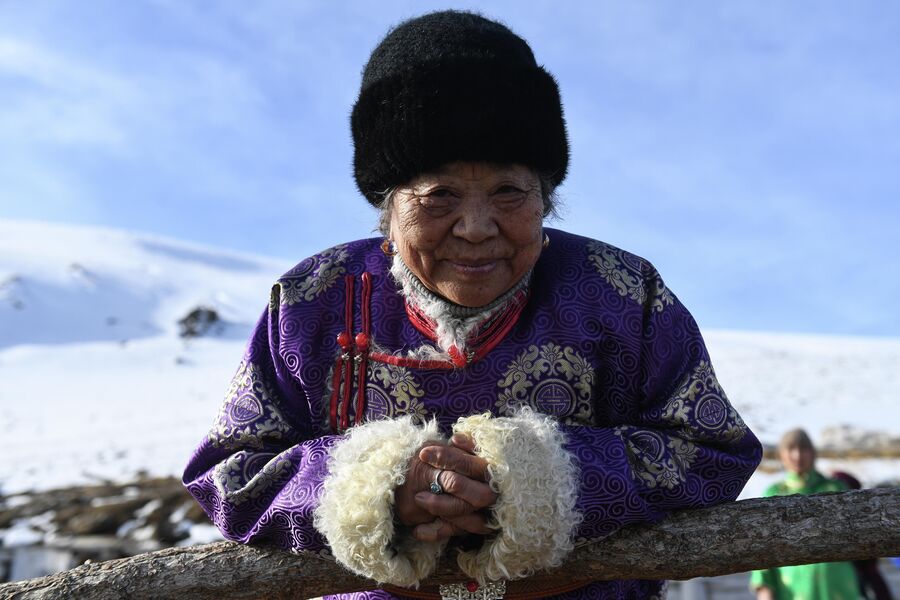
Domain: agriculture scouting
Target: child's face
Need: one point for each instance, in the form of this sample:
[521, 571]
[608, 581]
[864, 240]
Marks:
[797, 459]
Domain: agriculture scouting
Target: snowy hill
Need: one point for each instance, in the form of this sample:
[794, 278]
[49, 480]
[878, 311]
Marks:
[61, 284]
[97, 382]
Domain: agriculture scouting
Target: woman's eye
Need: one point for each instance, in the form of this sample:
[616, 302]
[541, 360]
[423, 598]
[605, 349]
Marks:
[438, 202]
[509, 196]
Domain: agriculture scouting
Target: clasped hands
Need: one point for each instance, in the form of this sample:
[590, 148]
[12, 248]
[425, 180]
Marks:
[457, 511]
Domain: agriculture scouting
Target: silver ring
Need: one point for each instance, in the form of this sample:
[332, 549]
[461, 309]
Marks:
[436, 488]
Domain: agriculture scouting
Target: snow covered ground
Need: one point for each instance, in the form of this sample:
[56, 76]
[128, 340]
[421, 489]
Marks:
[96, 382]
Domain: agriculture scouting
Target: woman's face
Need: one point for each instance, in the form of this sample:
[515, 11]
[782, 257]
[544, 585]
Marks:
[797, 459]
[469, 231]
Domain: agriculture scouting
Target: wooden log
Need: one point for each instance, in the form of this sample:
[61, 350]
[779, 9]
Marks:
[729, 538]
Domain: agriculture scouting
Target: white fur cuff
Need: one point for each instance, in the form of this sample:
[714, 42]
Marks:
[356, 509]
[537, 483]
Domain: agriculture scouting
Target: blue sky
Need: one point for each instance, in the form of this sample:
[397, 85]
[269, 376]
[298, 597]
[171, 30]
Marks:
[750, 149]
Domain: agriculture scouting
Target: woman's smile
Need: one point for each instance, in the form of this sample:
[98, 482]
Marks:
[484, 239]
[474, 267]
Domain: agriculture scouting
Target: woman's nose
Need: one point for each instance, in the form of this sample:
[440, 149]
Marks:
[476, 223]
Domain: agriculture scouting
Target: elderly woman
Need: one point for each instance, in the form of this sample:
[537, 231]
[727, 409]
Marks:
[472, 379]
[822, 581]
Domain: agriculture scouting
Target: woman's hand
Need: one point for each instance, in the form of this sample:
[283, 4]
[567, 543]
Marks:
[462, 475]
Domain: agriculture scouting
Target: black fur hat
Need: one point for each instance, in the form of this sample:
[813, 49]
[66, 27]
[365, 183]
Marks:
[450, 86]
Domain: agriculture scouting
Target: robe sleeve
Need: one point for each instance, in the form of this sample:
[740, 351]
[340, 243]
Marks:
[675, 443]
[667, 439]
[265, 475]
[258, 472]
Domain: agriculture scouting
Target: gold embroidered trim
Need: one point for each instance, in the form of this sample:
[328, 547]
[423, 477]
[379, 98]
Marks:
[249, 416]
[624, 271]
[313, 276]
[553, 380]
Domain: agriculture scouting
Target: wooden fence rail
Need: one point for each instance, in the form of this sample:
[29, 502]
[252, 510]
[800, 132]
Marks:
[730, 538]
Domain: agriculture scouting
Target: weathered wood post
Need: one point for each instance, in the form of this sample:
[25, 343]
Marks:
[730, 538]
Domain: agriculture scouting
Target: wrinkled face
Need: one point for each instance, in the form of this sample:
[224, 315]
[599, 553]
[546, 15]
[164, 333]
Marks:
[797, 459]
[469, 231]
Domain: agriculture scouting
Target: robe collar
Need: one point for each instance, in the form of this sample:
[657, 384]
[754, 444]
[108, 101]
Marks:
[464, 333]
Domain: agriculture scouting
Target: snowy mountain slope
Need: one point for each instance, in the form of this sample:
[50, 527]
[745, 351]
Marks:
[96, 383]
[61, 284]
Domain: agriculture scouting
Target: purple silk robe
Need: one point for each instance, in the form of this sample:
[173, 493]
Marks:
[602, 345]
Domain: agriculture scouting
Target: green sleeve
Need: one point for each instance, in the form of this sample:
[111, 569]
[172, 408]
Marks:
[776, 489]
[834, 485]
[766, 577]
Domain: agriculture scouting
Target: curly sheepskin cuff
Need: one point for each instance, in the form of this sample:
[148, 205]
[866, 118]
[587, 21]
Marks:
[537, 483]
[355, 512]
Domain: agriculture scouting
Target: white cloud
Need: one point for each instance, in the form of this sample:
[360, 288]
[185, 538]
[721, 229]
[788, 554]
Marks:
[54, 99]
